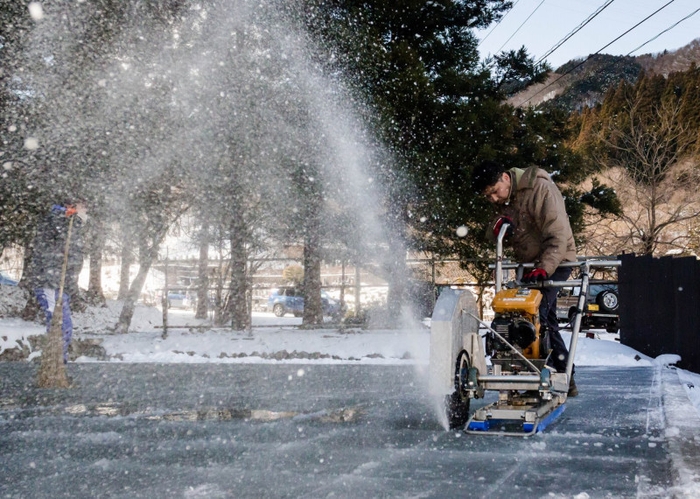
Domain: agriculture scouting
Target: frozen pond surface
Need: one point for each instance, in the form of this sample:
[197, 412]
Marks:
[215, 430]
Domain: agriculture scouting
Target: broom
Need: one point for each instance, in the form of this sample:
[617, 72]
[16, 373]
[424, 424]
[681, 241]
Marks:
[52, 370]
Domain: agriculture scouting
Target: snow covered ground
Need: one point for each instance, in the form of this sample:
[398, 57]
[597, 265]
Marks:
[280, 340]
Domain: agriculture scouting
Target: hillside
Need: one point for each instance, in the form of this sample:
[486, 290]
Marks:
[669, 62]
[577, 84]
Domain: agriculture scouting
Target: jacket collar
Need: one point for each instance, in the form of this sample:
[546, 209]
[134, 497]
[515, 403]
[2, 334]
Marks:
[516, 174]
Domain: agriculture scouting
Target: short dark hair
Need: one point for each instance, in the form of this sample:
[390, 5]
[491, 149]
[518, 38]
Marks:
[486, 174]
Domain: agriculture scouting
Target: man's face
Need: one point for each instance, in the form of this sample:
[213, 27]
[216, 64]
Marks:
[499, 192]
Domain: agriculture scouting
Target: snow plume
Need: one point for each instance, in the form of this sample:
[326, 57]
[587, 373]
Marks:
[221, 104]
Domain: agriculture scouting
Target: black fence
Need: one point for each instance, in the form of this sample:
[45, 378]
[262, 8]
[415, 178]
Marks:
[660, 307]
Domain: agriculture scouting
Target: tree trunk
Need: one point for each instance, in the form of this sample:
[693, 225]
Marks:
[203, 277]
[237, 306]
[313, 310]
[31, 309]
[95, 296]
[398, 279]
[127, 258]
[147, 255]
[132, 297]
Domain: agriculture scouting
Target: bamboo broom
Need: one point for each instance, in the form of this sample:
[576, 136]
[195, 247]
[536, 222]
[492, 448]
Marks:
[52, 370]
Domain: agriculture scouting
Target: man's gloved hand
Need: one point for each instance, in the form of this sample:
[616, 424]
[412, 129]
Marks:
[535, 275]
[71, 210]
[499, 223]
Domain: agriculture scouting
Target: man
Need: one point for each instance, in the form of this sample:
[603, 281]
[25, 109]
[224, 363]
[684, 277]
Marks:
[47, 261]
[539, 232]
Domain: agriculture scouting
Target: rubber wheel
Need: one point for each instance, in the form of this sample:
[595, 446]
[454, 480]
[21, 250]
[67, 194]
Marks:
[608, 301]
[457, 403]
[278, 310]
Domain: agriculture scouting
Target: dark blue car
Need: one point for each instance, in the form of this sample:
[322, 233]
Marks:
[290, 300]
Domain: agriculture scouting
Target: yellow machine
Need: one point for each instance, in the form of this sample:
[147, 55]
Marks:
[509, 358]
[517, 321]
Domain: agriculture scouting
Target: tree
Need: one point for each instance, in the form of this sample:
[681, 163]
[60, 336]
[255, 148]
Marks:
[437, 109]
[656, 183]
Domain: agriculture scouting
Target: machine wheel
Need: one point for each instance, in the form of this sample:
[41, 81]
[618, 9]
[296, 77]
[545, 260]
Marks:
[278, 310]
[608, 301]
[457, 404]
[457, 410]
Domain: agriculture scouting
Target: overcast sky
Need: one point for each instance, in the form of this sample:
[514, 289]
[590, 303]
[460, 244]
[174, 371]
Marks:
[554, 20]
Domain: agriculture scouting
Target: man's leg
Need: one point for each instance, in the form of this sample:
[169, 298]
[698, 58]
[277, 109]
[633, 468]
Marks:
[67, 325]
[548, 319]
[46, 298]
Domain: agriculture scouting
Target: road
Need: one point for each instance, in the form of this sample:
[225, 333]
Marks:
[348, 431]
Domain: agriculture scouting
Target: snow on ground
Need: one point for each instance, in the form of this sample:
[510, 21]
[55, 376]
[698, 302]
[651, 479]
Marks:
[274, 339]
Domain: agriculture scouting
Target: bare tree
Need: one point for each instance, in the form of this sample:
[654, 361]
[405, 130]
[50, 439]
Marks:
[654, 179]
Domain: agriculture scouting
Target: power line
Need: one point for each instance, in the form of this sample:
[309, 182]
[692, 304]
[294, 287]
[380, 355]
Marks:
[576, 30]
[664, 31]
[523, 23]
[597, 52]
[499, 22]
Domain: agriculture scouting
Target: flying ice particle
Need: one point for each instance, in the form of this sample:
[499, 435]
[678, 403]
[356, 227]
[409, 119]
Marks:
[462, 231]
[36, 11]
[423, 219]
[31, 143]
[300, 373]
[12, 128]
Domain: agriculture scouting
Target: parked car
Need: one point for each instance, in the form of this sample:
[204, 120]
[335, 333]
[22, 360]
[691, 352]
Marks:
[600, 311]
[7, 280]
[286, 300]
[177, 299]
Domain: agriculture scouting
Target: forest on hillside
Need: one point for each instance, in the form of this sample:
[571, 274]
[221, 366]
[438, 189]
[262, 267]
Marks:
[643, 143]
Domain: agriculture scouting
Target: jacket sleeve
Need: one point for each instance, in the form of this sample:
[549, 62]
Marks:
[549, 211]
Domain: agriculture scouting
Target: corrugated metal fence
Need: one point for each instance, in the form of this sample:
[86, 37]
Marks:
[660, 307]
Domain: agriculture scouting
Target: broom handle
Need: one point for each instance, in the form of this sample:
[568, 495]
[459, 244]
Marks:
[64, 268]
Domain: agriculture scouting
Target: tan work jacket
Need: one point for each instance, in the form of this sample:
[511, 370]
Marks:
[541, 233]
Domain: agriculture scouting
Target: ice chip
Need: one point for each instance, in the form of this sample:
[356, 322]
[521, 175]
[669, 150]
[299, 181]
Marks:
[462, 231]
[31, 143]
[36, 11]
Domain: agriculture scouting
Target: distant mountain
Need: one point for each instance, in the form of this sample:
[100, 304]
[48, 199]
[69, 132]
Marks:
[669, 62]
[583, 82]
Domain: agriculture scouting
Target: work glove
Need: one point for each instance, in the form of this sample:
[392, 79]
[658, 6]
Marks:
[535, 275]
[71, 210]
[499, 223]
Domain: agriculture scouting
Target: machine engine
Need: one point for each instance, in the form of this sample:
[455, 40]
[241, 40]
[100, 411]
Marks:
[517, 321]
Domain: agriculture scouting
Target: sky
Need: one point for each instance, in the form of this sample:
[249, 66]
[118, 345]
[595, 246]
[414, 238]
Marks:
[554, 20]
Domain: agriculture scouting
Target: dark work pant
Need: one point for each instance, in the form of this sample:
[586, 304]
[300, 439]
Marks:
[47, 298]
[548, 319]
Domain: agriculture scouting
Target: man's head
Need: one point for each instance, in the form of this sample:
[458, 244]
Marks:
[491, 180]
